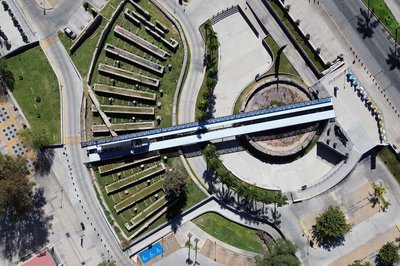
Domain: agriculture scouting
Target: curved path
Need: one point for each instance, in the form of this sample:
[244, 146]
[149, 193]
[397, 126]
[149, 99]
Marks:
[72, 174]
[72, 91]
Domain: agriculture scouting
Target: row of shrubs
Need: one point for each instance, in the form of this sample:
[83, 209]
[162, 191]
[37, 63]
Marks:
[205, 104]
[242, 188]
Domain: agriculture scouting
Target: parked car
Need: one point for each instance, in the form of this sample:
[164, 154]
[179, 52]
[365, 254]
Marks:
[69, 33]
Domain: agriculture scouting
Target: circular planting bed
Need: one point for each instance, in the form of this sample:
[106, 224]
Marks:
[283, 142]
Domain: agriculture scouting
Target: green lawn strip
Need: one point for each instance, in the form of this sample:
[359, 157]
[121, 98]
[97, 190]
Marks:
[203, 87]
[284, 65]
[37, 93]
[132, 76]
[391, 161]
[229, 232]
[120, 166]
[127, 109]
[134, 178]
[149, 211]
[303, 43]
[109, 8]
[384, 14]
[116, 91]
[153, 188]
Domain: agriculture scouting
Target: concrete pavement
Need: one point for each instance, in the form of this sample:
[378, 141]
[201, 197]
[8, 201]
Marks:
[372, 51]
[362, 233]
[241, 57]
[210, 205]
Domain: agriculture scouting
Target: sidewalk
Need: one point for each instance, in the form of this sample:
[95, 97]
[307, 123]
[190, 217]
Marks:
[211, 206]
[332, 43]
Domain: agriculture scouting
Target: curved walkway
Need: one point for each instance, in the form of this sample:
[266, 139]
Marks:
[211, 205]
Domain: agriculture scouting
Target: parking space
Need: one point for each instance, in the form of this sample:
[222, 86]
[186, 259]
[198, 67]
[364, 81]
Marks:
[14, 32]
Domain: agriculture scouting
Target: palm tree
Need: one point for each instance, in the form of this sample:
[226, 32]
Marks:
[213, 43]
[378, 196]
[188, 244]
[207, 28]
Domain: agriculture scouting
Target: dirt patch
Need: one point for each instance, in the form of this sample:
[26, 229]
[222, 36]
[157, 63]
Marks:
[223, 255]
[284, 141]
[357, 205]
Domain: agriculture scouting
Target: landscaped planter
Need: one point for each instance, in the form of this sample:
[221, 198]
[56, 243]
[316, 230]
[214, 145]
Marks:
[133, 38]
[126, 93]
[128, 75]
[137, 60]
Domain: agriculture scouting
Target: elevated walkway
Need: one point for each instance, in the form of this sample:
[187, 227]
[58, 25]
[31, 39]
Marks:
[218, 128]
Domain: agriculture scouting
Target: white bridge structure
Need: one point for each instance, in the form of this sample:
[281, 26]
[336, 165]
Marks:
[216, 128]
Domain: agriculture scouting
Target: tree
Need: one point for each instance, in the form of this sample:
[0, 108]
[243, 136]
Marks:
[213, 43]
[379, 195]
[15, 187]
[210, 151]
[388, 254]
[207, 28]
[360, 263]
[6, 76]
[283, 252]
[34, 138]
[174, 184]
[331, 226]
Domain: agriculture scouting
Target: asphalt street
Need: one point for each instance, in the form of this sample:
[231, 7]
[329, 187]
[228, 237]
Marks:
[71, 90]
[371, 42]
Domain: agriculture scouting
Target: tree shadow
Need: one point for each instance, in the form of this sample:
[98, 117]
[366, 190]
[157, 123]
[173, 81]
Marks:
[174, 210]
[26, 234]
[277, 64]
[327, 243]
[226, 195]
[365, 25]
[393, 60]
[44, 161]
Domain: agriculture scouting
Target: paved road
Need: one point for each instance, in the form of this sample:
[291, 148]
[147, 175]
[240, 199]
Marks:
[82, 194]
[373, 45]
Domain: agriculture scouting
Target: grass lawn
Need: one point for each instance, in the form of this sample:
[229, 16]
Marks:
[383, 13]
[281, 63]
[229, 232]
[388, 157]
[292, 28]
[38, 80]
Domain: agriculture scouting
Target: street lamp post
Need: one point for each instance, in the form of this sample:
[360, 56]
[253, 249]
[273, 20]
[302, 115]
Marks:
[196, 240]
[62, 190]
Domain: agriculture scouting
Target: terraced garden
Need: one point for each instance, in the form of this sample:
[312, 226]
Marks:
[136, 74]
[132, 87]
[133, 191]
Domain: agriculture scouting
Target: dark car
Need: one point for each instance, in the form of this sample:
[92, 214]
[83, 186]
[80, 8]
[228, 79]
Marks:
[69, 33]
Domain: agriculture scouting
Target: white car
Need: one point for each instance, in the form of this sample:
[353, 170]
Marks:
[69, 33]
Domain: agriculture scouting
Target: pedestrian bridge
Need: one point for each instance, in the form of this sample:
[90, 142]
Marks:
[216, 128]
